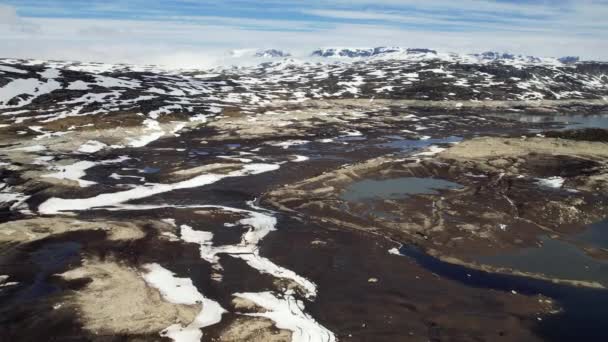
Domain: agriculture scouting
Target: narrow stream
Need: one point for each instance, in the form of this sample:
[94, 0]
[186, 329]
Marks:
[555, 259]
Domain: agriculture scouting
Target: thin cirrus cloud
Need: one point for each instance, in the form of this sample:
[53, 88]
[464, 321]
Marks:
[199, 32]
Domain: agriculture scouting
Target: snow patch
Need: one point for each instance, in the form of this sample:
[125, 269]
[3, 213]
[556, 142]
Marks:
[111, 82]
[77, 170]
[260, 224]
[394, 251]
[92, 146]
[74, 172]
[7, 196]
[56, 205]
[7, 68]
[31, 148]
[288, 313]
[352, 133]
[299, 159]
[27, 86]
[5, 283]
[154, 133]
[551, 182]
[78, 85]
[288, 143]
[50, 73]
[164, 110]
[182, 291]
[431, 151]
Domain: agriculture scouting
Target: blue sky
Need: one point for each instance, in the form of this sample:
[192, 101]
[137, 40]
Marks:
[146, 31]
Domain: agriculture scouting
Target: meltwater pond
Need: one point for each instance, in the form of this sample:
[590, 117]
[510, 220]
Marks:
[50, 259]
[595, 235]
[561, 259]
[584, 309]
[573, 121]
[555, 259]
[395, 188]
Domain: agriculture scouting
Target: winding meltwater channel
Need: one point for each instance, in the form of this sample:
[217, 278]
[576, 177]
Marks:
[584, 310]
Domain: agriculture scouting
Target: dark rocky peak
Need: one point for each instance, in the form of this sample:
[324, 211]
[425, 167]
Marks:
[273, 53]
[569, 59]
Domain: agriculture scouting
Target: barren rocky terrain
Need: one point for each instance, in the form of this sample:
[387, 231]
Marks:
[375, 200]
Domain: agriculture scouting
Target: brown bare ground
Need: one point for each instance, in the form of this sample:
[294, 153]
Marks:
[118, 301]
[39, 228]
[254, 329]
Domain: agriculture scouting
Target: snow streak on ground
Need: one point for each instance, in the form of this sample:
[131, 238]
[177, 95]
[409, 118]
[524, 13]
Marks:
[76, 171]
[182, 291]
[8, 195]
[260, 224]
[57, 205]
[288, 313]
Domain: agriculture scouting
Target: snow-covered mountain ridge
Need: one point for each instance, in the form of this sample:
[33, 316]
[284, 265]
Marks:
[401, 53]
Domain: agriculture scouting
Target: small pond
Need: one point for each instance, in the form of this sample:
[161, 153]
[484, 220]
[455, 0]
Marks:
[395, 188]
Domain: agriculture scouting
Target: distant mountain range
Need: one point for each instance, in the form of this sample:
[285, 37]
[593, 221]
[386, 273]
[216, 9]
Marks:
[371, 52]
[272, 53]
[419, 54]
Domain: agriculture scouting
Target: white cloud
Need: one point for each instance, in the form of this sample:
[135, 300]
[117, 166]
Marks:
[10, 21]
[579, 19]
[8, 14]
